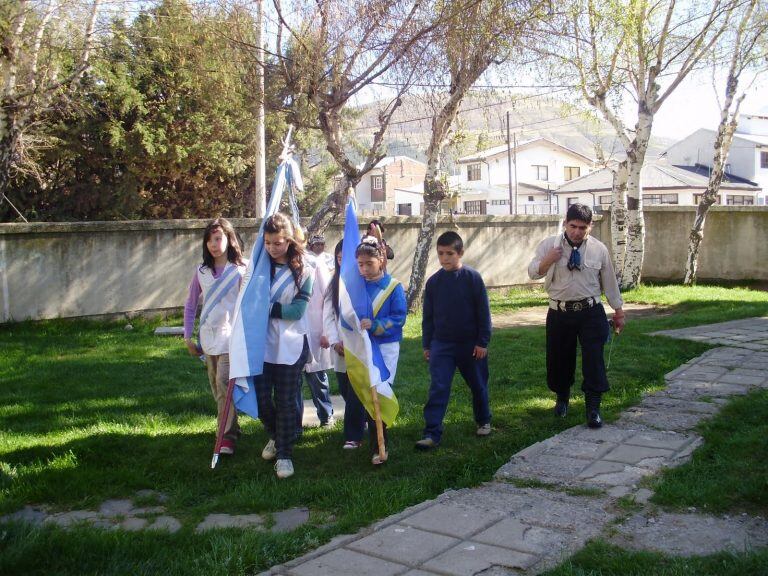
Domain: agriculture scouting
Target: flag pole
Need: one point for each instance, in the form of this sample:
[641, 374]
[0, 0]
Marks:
[379, 424]
[223, 423]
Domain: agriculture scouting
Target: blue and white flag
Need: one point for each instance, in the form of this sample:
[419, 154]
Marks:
[251, 317]
[365, 364]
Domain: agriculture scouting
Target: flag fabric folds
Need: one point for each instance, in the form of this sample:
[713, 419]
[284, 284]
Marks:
[251, 317]
[365, 364]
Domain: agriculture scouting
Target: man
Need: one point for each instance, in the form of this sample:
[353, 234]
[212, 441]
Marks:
[317, 247]
[578, 269]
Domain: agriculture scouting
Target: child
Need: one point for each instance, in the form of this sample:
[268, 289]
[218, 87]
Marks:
[286, 349]
[456, 329]
[389, 311]
[354, 412]
[218, 279]
[320, 357]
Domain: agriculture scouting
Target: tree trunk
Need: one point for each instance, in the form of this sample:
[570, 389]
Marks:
[619, 217]
[332, 206]
[434, 194]
[9, 138]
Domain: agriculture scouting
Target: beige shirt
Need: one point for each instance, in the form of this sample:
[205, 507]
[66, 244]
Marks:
[595, 277]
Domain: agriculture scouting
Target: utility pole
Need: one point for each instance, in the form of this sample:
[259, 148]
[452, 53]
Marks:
[514, 159]
[512, 207]
[260, 168]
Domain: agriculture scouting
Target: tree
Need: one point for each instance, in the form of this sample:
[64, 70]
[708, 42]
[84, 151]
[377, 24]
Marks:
[42, 60]
[644, 49]
[742, 44]
[329, 52]
[471, 38]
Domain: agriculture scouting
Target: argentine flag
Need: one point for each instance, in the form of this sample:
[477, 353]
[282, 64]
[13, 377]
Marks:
[365, 364]
[251, 317]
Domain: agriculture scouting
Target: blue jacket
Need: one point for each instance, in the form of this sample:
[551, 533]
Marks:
[389, 319]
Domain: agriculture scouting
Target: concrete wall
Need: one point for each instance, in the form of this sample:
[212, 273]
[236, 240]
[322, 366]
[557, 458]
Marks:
[735, 245]
[65, 270]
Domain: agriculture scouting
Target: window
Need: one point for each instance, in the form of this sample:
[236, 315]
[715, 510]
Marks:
[474, 207]
[541, 172]
[499, 202]
[572, 172]
[474, 172]
[377, 188]
[404, 209]
[739, 200]
[570, 201]
[660, 198]
[530, 198]
[697, 199]
[763, 159]
[605, 200]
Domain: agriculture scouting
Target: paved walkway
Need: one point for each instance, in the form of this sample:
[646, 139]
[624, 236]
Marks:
[502, 528]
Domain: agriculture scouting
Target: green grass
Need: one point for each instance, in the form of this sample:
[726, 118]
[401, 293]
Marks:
[89, 411]
[601, 559]
[729, 473]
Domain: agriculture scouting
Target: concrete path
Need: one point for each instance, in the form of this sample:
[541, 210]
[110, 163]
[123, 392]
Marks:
[504, 528]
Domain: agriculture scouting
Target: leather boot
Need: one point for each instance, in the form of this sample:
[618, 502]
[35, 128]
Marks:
[561, 406]
[592, 401]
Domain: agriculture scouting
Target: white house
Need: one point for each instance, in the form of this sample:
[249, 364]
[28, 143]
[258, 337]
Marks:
[394, 186]
[488, 180]
[661, 183]
[748, 156]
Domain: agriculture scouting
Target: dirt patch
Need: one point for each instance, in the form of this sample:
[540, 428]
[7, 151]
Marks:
[537, 315]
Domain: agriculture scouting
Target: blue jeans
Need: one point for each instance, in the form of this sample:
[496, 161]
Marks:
[354, 412]
[320, 389]
[444, 359]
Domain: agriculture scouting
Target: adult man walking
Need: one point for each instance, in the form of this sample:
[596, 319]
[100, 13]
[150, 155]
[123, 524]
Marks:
[577, 270]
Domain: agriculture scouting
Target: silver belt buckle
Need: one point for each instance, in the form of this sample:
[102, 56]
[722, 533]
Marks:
[577, 306]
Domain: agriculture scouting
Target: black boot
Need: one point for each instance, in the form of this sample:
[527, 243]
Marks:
[592, 401]
[561, 406]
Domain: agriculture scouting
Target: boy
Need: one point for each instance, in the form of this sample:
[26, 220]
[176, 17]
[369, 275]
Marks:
[456, 330]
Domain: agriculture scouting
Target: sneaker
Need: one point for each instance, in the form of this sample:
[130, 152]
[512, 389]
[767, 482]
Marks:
[270, 451]
[594, 420]
[351, 445]
[426, 444]
[328, 423]
[377, 460]
[227, 446]
[484, 430]
[284, 468]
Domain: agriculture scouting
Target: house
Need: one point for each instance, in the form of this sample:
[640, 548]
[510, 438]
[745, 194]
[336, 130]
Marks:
[488, 181]
[747, 158]
[394, 186]
[662, 183]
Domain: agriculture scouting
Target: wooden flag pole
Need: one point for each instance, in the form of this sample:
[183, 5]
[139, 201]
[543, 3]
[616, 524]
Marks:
[223, 423]
[379, 424]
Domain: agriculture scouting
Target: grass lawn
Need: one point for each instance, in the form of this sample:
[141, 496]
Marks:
[90, 411]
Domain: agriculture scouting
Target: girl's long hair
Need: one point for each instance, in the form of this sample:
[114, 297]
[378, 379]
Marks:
[336, 277]
[234, 249]
[280, 223]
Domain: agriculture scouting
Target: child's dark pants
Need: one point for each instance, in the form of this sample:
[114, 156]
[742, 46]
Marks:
[444, 359]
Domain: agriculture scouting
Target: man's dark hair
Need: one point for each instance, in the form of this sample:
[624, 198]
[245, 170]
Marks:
[451, 239]
[579, 212]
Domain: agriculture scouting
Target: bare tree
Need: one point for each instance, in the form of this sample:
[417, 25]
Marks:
[41, 63]
[473, 36]
[745, 52]
[329, 52]
[643, 50]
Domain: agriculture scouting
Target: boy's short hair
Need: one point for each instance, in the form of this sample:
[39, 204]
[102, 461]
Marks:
[579, 212]
[451, 239]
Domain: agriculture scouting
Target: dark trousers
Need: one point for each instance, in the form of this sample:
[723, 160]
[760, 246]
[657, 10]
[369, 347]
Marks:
[276, 395]
[589, 327]
[320, 389]
[354, 412]
[444, 359]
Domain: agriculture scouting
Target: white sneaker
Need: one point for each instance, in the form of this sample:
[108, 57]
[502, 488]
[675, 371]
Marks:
[484, 430]
[270, 451]
[284, 468]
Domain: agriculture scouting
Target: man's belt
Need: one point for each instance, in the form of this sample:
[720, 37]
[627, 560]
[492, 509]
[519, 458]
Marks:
[573, 305]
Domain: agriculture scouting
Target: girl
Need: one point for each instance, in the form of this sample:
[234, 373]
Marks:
[389, 311]
[218, 280]
[354, 412]
[286, 349]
